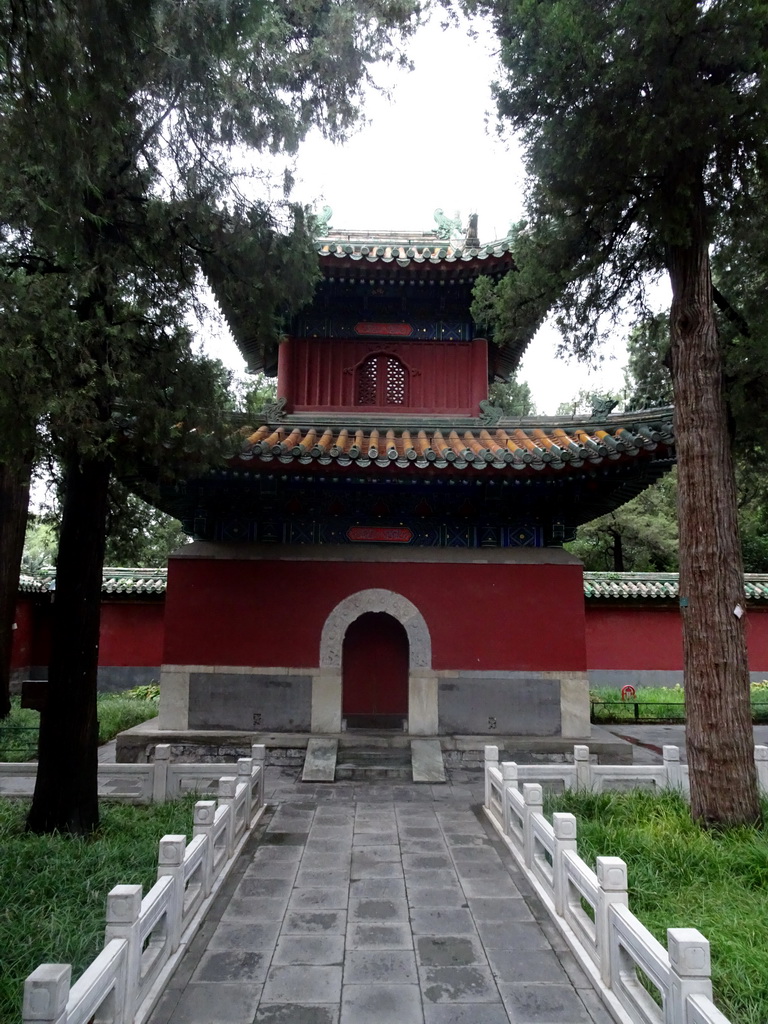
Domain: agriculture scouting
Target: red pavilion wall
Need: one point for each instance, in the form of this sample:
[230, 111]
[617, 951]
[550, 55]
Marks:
[445, 377]
[271, 613]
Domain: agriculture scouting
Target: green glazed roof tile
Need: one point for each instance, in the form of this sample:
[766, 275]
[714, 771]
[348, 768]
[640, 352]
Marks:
[114, 581]
[655, 586]
[616, 586]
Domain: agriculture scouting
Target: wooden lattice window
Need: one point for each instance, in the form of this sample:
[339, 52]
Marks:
[382, 380]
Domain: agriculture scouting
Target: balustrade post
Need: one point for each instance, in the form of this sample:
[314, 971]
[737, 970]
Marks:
[170, 861]
[508, 778]
[244, 769]
[564, 827]
[612, 890]
[259, 755]
[673, 768]
[761, 764]
[227, 788]
[46, 992]
[690, 971]
[123, 913]
[533, 799]
[162, 758]
[583, 768]
[205, 816]
[491, 757]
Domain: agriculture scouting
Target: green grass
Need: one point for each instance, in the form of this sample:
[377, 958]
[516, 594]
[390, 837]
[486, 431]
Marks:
[117, 711]
[55, 887]
[682, 876]
[659, 703]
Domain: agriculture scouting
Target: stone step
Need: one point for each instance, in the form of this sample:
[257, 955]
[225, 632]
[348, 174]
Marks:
[365, 765]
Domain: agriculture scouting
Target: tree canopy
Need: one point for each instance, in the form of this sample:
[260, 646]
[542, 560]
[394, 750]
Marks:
[130, 123]
[645, 130]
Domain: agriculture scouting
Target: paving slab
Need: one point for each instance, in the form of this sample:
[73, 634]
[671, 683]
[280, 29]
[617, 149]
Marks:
[379, 904]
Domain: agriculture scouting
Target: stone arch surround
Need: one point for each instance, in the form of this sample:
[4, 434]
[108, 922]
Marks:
[376, 600]
[422, 681]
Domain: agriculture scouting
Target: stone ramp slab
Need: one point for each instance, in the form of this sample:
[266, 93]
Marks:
[427, 761]
[320, 762]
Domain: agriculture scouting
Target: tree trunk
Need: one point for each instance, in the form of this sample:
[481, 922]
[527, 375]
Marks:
[66, 791]
[14, 502]
[618, 550]
[719, 736]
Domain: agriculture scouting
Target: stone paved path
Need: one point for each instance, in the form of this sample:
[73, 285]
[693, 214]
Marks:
[377, 904]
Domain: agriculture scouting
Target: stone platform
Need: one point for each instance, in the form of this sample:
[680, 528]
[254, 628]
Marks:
[135, 745]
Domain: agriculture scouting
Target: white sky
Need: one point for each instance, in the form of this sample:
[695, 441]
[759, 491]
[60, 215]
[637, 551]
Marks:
[433, 144]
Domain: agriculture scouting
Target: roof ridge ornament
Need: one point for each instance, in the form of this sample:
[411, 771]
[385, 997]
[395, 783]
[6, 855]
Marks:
[323, 221]
[472, 239]
[491, 414]
[602, 406]
[447, 227]
[273, 411]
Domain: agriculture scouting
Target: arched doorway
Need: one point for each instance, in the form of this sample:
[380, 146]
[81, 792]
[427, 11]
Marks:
[375, 659]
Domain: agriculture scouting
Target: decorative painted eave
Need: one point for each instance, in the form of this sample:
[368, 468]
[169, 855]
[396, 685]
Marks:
[518, 445]
[114, 581]
[655, 586]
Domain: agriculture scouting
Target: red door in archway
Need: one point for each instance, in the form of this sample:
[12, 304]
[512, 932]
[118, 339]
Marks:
[375, 670]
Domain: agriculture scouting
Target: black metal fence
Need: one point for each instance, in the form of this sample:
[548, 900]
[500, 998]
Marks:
[18, 743]
[655, 712]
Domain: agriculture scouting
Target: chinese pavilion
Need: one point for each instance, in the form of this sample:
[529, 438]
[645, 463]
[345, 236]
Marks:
[385, 550]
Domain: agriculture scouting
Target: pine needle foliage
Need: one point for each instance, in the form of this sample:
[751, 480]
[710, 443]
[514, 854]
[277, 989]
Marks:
[140, 132]
[645, 131]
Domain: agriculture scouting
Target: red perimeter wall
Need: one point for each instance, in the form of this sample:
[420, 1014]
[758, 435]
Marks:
[271, 613]
[131, 633]
[647, 637]
[520, 612]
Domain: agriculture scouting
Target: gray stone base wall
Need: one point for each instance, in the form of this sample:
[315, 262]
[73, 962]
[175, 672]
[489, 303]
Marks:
[514, 705]
[281, 700]
[250, 700]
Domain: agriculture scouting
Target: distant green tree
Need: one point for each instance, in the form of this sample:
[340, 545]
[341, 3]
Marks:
[260, 391]
[641, 536]
[645, 127]
[513, 396]
[648, 380]
[40, 544]
[138, 534]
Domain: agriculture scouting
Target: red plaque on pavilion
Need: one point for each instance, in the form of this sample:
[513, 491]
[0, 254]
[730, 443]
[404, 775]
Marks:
[380, 534]
[390, 330]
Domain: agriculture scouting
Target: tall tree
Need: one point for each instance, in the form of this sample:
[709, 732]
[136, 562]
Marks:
[123, 118]
[645, 126]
